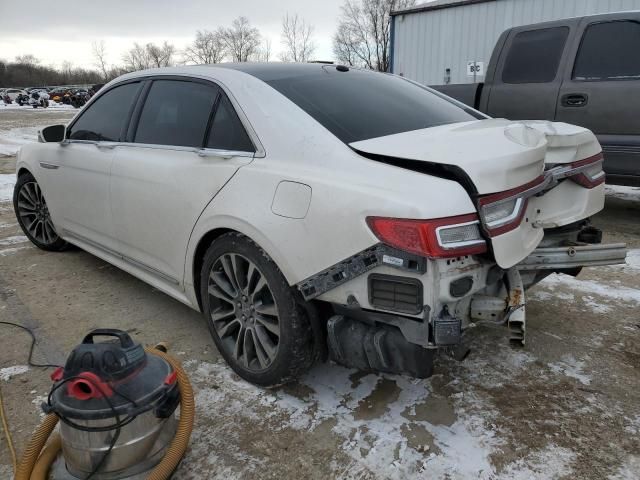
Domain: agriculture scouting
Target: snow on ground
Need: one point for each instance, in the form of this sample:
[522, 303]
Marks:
[8, 372]
[571, 367]
[625, 193]
[591, 287]
[13, 240]
[11, 140]
[53, 106]
[628, 471]
[7, 181]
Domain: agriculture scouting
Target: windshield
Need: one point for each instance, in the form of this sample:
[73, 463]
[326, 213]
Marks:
[358, 105]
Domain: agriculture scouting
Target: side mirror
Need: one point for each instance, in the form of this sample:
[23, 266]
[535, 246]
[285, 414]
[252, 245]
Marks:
[52, 134]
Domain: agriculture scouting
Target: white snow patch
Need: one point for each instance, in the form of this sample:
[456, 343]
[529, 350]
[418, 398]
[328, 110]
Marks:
[372, 443]
[629, 470]
[10, 251]
[625, 193]
[11, 140]
[619, 293]
[632, 262]
[549, 463]
[53, 106]
[571, 367]
[548, 296]
[13, 240]
[8, 372]
[594, 305]
[7, 182]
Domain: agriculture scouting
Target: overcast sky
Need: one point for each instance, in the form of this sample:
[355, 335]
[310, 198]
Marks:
[55, 32]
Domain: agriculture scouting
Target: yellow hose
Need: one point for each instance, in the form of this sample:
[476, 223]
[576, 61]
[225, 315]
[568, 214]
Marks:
[33, 468]
[7, 433]
[47, 457]
[34, 447]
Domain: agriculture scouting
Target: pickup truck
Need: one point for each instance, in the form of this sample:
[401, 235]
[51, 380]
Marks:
[583, 71]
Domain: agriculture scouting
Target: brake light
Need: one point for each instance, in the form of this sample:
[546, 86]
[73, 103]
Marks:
[437, 238]
[503, 212]
[588, 172]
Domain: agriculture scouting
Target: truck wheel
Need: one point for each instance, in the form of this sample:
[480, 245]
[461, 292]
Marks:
[256, 319]
[33, 215]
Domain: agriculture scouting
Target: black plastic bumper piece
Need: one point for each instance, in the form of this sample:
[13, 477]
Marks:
[376, 348]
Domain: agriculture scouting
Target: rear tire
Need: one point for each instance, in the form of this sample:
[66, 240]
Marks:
[255, 318]
[33, 215]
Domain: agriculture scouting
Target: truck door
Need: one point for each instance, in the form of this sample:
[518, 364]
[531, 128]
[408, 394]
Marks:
[527, 76]
[601, 89]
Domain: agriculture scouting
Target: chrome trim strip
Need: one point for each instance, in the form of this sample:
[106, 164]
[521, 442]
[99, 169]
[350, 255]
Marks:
[136, 263]
[49, 166]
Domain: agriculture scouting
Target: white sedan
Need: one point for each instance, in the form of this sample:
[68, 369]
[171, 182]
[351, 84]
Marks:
[306, 208]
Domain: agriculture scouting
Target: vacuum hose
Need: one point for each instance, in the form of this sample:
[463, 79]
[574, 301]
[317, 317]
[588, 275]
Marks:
[35, 465]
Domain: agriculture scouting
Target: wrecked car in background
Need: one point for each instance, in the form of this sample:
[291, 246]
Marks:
[300, 206]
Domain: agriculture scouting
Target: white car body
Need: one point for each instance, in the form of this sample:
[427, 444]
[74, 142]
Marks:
[13, 93]
[305, 196]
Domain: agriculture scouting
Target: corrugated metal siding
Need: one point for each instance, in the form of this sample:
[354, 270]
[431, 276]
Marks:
[426, 43]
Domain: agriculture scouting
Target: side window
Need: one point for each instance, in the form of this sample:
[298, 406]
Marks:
[227, 131]
[609, 51]
[105, 118]
[176, 113]
[534, 55]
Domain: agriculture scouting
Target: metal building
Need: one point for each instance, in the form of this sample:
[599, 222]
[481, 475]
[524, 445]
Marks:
[450, 41]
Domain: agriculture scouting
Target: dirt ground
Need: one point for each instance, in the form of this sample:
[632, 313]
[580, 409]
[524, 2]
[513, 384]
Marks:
[566, 406]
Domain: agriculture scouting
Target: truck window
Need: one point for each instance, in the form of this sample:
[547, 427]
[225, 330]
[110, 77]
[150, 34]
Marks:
[609, 51]
[534, 55]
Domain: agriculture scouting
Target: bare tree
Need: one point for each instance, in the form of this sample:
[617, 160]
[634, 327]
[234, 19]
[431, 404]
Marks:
[264, 51]
[297, 39]
[362, 37]
[161, 55]
[241, 39]
[137, 58]
[27, 59]
[208, 47]
[100, 55]
[150, 55]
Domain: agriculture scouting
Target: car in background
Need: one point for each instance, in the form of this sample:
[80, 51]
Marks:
[583, 71]
[13, 93]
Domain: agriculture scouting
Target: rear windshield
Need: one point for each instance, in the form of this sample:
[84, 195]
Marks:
[359, 105]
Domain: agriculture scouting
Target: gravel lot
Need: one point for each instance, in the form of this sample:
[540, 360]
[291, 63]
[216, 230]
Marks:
[566, 406]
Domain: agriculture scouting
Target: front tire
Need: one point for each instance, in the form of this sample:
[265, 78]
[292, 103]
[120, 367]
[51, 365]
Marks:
[256, 319]
[33, 215]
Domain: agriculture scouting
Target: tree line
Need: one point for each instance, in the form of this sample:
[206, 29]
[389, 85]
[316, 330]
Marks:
[361, 39]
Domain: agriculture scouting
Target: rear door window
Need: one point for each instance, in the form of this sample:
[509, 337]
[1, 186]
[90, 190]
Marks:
[227, 131]
[105, 118]
[534, 55]
[609, 51]
[176, 113]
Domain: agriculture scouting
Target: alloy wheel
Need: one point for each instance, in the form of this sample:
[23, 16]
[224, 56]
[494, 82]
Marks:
[34, 214]
[243, 311]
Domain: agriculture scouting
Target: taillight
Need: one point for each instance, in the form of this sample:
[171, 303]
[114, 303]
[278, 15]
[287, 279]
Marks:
[503, 212]
[437, 238]
[588, 172]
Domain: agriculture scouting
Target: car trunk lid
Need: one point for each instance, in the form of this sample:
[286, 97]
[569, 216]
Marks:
[498, 161]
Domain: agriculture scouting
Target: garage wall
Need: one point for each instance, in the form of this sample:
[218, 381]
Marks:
[426, 43]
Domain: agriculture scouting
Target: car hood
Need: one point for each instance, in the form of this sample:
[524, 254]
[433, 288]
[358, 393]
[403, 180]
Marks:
[495, 154]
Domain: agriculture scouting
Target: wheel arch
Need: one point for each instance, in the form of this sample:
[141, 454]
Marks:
[214, 232]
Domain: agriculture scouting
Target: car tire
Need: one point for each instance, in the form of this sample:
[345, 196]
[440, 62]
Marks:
[257, 321]
[33, 216]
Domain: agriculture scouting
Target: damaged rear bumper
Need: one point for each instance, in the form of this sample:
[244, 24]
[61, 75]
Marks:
[557, 258]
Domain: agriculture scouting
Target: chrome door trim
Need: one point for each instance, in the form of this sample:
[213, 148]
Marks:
[49, 166]
[129, 260]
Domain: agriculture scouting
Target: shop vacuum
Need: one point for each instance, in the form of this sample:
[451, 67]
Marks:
[116, 403]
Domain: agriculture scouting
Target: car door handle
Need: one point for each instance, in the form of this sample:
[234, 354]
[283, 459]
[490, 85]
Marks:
[106, 144]
[575, 100]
